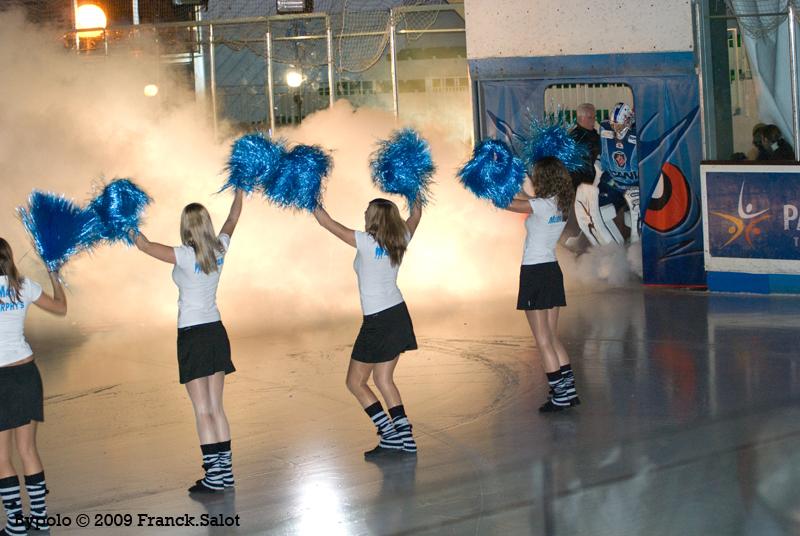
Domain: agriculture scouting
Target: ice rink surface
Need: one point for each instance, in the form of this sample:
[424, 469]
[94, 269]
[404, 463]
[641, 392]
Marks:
[690, 424]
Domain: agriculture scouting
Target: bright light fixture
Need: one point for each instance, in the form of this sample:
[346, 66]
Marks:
[90, 16]
[150, 90]
[294, 78]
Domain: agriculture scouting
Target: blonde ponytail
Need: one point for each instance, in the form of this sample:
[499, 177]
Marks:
[197, 231]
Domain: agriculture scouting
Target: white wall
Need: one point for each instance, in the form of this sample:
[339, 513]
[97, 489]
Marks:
[508, 28]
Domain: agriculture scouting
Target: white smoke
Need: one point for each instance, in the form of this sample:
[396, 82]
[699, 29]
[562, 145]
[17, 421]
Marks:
[612, 265]
[68, 121]
[72, 120]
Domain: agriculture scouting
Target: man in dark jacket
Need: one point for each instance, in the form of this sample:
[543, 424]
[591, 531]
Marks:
[584, 133]
[774, 146]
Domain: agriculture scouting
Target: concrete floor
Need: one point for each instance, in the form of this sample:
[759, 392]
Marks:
[690, 425]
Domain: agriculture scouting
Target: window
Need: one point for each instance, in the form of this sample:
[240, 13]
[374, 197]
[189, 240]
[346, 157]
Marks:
[567, 97]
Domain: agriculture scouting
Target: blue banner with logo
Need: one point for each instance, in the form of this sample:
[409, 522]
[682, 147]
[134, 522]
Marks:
[753, 215]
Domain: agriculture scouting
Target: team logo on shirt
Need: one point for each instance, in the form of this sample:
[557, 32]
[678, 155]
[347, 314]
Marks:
[379, 252]
[8, 305]
[557, 218]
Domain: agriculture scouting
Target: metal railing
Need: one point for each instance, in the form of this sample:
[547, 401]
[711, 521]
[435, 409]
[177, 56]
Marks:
[195, 46]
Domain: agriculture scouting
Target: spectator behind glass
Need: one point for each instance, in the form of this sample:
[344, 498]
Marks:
[774, 146]
[756, 152]
[584, 133]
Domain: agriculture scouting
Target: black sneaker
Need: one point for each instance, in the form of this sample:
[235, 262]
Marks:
[199, 487]
[380, 452]
[572, 402]
[549, 407]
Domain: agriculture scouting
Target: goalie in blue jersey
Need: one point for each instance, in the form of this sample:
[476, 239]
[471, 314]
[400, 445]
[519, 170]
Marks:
[616, 183]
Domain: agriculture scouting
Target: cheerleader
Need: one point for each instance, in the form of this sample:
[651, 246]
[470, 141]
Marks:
[204, 352]
[541, 283]
[386, 331]
[21, 399]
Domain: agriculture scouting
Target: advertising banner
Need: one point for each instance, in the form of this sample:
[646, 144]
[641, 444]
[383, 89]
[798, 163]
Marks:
[752, 218]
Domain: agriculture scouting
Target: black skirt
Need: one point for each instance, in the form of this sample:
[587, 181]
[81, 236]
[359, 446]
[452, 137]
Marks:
[385, 335]
[21, 396]
[203, 350]
[541, 286]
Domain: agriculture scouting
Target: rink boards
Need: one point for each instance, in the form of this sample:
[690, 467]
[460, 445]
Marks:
[751, 227]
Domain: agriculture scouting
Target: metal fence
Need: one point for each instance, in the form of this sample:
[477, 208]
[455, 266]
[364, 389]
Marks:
[269, 71]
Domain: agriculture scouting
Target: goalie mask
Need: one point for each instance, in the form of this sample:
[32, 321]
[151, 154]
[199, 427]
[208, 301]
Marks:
[621, 119]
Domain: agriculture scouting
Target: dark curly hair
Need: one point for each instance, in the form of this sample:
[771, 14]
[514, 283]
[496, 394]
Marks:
[550, 178]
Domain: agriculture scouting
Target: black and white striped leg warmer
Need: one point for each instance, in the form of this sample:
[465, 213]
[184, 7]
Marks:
[558, 389]
[35, 485]
[569, 378]
[213, 477]
[9, 492]
[403, 428]
[226, 463]
[389, 438]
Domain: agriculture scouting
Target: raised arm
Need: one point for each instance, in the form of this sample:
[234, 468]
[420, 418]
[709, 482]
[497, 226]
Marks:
[336, 228]
[154, 249]
[58, 303]
[520, 205]
[233, 215]
[521, 202]
[413, 219]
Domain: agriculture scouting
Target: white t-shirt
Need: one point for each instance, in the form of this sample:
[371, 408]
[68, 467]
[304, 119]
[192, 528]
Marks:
[13, 346]
[544, 226]
[197, 292]
[377, 278]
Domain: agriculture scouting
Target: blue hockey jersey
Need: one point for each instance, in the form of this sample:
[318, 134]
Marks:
[619, 158]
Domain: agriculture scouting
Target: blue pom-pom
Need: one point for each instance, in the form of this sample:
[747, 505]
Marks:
[550, 137]
[119, 209]
[403, 165]
[58, 227]
[254, 161]
[493, 173]
[299, 180]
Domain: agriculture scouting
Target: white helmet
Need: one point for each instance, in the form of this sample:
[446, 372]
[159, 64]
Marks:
[621, 119]
[621, 114]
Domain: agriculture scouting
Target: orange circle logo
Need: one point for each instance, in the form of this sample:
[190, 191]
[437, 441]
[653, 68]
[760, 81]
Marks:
[669, 206]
